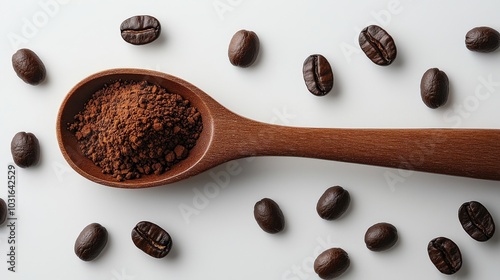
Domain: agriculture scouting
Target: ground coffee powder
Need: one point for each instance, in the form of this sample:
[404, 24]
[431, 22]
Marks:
[133, 128]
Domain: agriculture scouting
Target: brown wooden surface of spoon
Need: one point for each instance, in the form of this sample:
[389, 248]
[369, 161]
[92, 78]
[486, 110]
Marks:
[226, 136]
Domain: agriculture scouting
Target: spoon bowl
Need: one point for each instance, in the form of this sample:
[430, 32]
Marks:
[83, 91]
[226, 136]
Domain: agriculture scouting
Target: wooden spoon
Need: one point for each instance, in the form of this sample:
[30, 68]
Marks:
[226, 136]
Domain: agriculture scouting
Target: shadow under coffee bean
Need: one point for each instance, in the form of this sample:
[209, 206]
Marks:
[130, 129]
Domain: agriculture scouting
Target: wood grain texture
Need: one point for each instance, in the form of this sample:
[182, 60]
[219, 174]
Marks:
[461, 152]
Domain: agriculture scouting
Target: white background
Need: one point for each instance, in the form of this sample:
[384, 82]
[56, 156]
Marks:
[218, 237]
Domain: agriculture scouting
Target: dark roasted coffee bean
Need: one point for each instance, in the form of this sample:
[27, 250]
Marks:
[3, 211]
[331, 263]
[318, 75]
[482, 39]
[140, 30]
[28, 66]
[381, 236]
[268, 215]
[445, 255]
[434, 88]
[378, 45]
[476, 220]
[25, 149]
[243, 48]
[151, 239]
[333, 203]
[91, 242]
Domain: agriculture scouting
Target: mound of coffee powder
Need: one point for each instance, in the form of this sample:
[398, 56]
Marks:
[133, 128]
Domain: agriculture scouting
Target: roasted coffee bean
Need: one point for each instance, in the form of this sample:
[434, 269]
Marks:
[445, 255]
[378, 45]
[381, 236]
[331, 263]
[268, 215]
[28, 66]
[140, 30]
[333, 203]
[25, 149]
[482, 39]
[91, 242]
[3, 211]
[151, 239]
[243, 48]
[434, 88]
[318, 75]
[476, 220]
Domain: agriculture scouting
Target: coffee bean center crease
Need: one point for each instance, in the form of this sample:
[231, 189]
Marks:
[135, 31]
[472, 218]
[378, 47]
[151, 241]
[446, 256]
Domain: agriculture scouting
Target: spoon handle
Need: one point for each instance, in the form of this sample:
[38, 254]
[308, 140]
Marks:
[471, 153]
